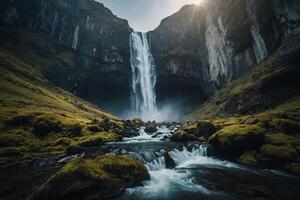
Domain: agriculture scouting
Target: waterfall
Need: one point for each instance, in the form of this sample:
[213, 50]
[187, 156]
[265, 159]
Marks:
[143, 97]
[179, 157]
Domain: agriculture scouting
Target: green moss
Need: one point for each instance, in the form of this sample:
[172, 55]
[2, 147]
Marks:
[190, 128]
[182, 136]
[137, 122]
[238, 138]
[286, 125]
[248, 158]
[205, 129]
[282, 139]
[97, 178]
[37, 119]
[98, 139]
[278, 153]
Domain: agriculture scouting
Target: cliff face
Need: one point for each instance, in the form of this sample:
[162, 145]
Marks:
[214, 43]
[98, 39]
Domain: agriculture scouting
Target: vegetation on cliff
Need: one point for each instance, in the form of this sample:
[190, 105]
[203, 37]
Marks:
[37, 119]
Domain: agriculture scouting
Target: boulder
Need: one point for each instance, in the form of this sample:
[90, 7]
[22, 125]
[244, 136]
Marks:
[98, 139]
[235, 139]
[150, 129]
[278, 153]
[205, 129]
[182, 136]
[137, 122]
[248, 158]
[170, 164]
[98, 178]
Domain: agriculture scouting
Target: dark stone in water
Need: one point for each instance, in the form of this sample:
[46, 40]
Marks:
[170, 164]
[150, 129]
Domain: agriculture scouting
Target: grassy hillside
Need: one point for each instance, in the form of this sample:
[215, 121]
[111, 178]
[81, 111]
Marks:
[37, 119]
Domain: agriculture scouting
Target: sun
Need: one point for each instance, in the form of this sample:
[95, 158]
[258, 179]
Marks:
[197, 2]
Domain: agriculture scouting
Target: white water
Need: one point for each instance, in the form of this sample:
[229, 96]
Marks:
[144, 137]
[164, 181]
[143, 97]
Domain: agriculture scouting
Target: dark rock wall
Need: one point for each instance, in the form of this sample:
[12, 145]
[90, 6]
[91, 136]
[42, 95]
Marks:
[97, 37]
[214, 43]
[197, 50]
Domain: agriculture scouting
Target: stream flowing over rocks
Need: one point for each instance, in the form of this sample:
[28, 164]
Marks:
[187, 170]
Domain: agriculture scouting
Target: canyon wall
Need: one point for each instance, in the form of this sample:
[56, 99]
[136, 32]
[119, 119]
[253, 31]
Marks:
[98, 39]
[196, 50]
[213, 43]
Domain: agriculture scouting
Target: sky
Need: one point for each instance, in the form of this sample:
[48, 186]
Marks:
[145, 15]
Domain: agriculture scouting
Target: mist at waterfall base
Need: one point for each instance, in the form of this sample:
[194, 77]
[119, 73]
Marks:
[166, 113]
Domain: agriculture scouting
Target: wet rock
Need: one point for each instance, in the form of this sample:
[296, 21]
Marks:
[150, 129]
[182, 136]
[236, 139]
[278, 153]
[248, 158]
[170, 164]
[205, 129]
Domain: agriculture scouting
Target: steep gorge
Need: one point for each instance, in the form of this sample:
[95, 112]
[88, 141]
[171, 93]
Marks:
[196, 50]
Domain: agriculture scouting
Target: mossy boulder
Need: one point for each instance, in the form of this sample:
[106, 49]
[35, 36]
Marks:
[199, 129]
[287, 126]
[137, 122]
[236, 139]
[278, 153]
[100, 178]
[205, 129]
[281, 139]
[248, 158]
[189, 127]
[182, 136]
[99, 139]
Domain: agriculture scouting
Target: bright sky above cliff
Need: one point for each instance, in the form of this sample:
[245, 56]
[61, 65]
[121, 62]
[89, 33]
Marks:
[145, 15]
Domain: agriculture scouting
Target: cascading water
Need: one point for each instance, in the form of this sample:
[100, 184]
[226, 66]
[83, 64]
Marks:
[143, 97]
[179, 157]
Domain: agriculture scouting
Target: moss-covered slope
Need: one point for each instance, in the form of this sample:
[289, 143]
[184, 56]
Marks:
[38, 119]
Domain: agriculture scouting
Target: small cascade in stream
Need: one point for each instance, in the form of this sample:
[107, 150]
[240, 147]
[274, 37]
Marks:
[143, 97]
[179, 157]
